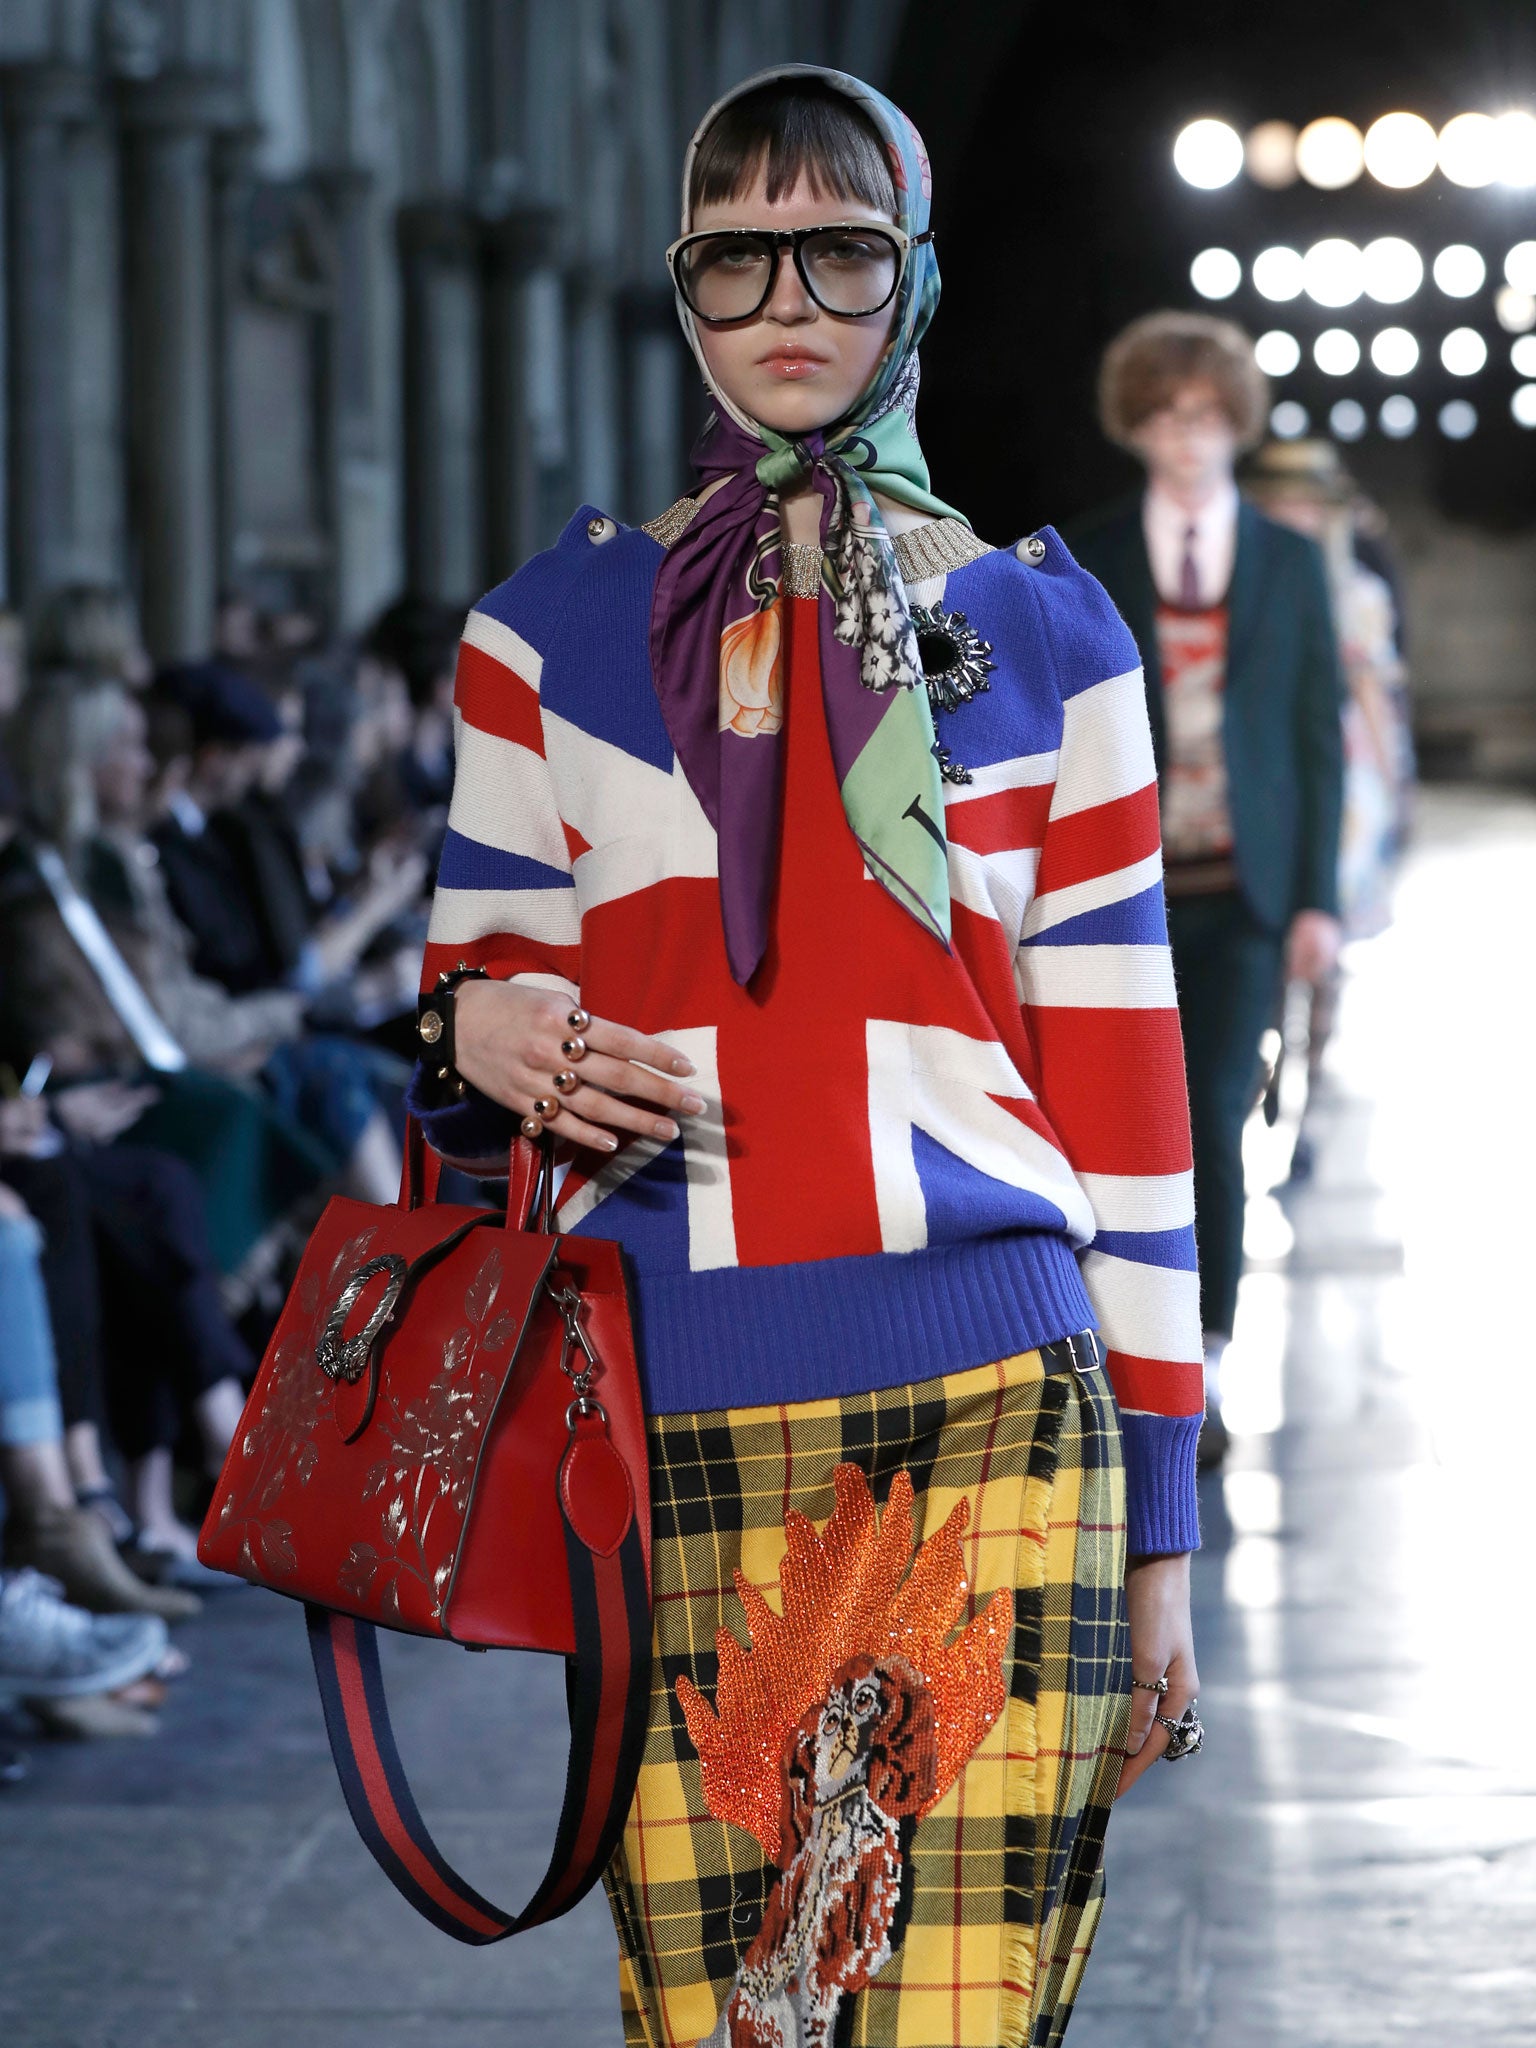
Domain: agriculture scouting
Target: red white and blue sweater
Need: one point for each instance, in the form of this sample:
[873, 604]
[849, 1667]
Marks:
[912, 1162]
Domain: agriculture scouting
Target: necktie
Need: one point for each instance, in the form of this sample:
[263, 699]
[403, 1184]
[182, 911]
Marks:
[1189, 575]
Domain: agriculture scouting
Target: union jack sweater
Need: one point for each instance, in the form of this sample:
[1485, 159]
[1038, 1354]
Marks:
[913, 1160]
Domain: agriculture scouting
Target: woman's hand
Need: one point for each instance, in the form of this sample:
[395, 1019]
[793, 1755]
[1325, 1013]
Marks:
[1162, 1646]
[1312, 946]
[507, 1041]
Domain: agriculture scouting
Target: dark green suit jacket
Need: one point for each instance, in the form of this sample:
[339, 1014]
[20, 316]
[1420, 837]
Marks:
[1283, 706]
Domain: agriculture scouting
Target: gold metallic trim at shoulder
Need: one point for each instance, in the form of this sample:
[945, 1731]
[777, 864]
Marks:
[936, 547]
[671, 525]
[802, 568]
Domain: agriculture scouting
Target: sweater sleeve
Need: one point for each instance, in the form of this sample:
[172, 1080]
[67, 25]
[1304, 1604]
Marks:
[505, 897]
[1096, 978]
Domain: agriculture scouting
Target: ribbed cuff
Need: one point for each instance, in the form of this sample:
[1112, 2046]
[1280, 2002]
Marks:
[471, 1127]
[1162, 1504]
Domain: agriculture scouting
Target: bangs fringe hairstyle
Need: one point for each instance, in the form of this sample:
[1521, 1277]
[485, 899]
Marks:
[792, 131]
[1148, 362]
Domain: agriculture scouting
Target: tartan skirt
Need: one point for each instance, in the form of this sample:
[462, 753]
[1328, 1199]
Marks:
[891, 1690]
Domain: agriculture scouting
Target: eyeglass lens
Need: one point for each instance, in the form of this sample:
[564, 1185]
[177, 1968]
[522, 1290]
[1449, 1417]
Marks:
[729, 277]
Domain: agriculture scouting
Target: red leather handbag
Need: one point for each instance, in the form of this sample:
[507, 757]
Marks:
[446, 1437]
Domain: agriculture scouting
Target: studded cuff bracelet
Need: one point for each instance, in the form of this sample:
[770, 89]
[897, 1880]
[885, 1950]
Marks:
[435, 1026]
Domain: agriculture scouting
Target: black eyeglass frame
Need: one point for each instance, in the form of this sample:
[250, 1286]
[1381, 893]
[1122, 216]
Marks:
[777, 240]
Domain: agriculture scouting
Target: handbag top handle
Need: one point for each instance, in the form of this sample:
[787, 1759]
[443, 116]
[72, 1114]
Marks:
[530, 1178]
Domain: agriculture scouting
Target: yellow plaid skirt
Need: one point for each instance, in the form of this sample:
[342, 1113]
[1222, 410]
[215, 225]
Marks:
[876, 1818]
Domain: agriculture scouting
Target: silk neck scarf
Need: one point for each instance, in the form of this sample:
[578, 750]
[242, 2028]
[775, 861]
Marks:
[717, 638]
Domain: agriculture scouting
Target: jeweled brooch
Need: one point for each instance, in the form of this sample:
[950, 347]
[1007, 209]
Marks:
[955, 666]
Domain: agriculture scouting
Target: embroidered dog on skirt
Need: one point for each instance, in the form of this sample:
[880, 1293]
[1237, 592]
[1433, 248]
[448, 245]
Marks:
[847, 1720]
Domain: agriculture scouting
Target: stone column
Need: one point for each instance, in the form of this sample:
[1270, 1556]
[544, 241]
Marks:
[525, 452]
[360, 487]
[40, 102]
[444, 528]
[168, 127]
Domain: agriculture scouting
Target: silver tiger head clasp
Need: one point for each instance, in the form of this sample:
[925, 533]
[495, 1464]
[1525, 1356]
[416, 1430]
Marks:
[341, 1357]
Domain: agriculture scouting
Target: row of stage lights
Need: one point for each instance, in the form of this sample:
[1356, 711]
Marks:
[1400, 151]
[1397, 416]
[1335, 272]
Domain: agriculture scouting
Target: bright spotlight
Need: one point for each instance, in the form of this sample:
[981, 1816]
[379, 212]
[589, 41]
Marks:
[1469, 150]
[1514, 141]
[1516, 311]
[1458, 420]
[1520, 267]
[1332, 271]
[1392, 269]
[1336, 352]
[1523, 405]
[1289, 421]
[1330, 153]
[1215, 273]
[1394, 352]
[1523, 356]
[1208, 154]
[1460, 271]
[1278, 274]
[1398, 416]
[1463, 351]
[1277, 353]
[1270, 154]
[1400, 150]
[1347, 419]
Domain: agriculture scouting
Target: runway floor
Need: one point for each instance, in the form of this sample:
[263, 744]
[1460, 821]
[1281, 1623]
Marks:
[1352, 1860]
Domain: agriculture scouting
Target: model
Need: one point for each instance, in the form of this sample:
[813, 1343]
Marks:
[1246, 699]
[803, 878]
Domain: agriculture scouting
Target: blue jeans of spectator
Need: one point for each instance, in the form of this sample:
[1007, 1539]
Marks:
[29, 1390]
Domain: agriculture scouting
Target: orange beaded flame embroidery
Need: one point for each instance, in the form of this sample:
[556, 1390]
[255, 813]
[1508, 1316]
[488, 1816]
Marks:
[853, 1592]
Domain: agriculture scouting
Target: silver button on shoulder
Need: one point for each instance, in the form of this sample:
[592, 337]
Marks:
[1031, 550]
[600, 529]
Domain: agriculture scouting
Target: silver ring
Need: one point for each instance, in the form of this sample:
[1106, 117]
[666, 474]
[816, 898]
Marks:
[579, 1020]
[1185, 1736]
[532, 1127]
[565, 1082]
[573, 1049]
[546, 1107]
[1157, 1685]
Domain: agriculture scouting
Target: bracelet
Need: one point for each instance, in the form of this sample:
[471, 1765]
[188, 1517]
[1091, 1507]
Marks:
[435, 1024]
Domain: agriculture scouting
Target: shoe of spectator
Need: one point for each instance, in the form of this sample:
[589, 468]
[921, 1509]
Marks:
[96, 1717]
[50, 1650]
[75, 1546]
[168, 1569]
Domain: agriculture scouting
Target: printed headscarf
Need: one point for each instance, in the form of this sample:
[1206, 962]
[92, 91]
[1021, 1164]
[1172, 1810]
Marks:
[717, 635]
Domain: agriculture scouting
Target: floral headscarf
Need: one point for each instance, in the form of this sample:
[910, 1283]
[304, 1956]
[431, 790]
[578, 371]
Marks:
[716, 633]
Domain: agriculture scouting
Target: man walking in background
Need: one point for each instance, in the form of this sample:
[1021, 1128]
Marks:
[1232, 616]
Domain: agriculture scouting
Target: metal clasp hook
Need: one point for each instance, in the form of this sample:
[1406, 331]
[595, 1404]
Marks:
[568, 1301]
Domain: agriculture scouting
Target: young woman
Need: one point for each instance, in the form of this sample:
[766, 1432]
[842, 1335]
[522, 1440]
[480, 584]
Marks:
[858, 1035]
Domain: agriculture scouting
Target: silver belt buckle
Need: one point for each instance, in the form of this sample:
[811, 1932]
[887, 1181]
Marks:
[1083, 1350]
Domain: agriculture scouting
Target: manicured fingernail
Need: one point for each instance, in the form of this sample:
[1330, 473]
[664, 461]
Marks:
[684, 1067]
[609, 1144]
[664, 1127]
[693, 1104]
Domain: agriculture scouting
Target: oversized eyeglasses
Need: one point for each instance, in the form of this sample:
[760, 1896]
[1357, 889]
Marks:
[851, 268]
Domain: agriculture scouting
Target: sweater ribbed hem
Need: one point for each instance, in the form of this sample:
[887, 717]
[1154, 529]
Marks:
[746, 1336]
[1162, 1503]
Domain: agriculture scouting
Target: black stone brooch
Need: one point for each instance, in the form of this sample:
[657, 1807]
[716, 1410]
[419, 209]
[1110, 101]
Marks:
[955, 665]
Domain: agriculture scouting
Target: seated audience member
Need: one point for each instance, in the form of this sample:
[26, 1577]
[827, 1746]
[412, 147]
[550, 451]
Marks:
[89, 773]
[89, 633]
[233, 865]
[76, 1672]
[417, 640]
[46, 1527]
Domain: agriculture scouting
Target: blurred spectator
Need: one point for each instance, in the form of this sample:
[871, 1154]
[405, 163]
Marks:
[89, 633]
[1232, 616]
[89, 775]
[64, 1663]
[417, 640]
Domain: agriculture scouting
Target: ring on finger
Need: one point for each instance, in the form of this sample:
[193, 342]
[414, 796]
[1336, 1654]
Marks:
[579, 1020]
[1185, 1736]
[532, 1127]
[565, 1081]
[573, 1049]
[1157, 1685]
[546, 1107]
